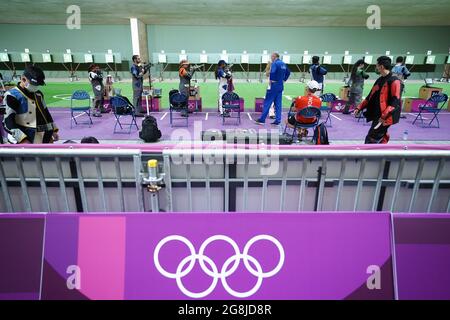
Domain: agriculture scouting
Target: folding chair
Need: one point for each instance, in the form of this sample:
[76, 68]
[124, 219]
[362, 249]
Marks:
[432, 107]
[80, 95]
[178, 102]
[308, 112]
[230, 104]
[121, 108]
[327, 98]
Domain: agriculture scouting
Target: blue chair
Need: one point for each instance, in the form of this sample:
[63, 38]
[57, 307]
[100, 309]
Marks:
[432, 107]
[80, 95]
[178, 102]
[122, 108]
[308, 112]
[230, 104]
[327, 98]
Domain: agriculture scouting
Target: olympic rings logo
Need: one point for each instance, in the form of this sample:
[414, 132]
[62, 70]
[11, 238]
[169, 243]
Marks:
[210, 268]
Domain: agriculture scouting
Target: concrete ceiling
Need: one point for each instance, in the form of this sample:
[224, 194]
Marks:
[232, 12]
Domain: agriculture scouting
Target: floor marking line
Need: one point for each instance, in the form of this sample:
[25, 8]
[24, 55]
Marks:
[206, 116]
[249, 116]
[415, 115]
[164, 115]
[336, 117]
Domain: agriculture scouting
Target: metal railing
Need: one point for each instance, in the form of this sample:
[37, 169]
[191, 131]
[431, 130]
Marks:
[307, 180]
[224, 180]
[80, 180]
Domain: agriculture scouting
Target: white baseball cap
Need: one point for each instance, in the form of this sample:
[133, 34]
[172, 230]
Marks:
[313, 85]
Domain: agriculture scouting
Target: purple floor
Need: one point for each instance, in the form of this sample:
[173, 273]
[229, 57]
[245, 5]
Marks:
[344, 127]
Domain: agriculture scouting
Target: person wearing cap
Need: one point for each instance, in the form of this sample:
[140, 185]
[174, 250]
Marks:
[224, 77]
[27, 118]
[302, 102]
[382, 105]
[279, 74]
[318, 74]
[137, 80]
[96, 79]
[185, 73]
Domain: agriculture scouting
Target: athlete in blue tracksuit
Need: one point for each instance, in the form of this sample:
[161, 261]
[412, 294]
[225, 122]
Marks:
[279, 73]
[318, 74]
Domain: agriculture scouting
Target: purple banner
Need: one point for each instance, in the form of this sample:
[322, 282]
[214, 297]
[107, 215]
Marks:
[422, 250]
[21, 239]
[218, 256]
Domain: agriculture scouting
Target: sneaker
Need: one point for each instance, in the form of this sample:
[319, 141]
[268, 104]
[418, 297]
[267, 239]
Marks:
[97, 114]
[272, 117]
[275, 123]
[259, 122]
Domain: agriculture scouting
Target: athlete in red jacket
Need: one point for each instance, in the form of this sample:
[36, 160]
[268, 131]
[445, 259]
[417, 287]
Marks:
[302, 102]
[382, 104]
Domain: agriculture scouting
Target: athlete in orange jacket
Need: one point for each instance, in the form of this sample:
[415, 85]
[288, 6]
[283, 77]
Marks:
[302, 102]
[382, 104]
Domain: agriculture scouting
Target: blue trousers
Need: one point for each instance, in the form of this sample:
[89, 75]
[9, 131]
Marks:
[275, 97]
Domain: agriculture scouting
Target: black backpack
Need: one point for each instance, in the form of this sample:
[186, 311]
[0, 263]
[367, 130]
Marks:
[321, 134]
[150, 131]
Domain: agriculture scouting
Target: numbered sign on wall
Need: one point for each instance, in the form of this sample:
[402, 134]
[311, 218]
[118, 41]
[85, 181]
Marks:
[25, 57]
[368, 59]
[4, 57]
[326, 60]
[67, 58]
[162, 58]
[306, 59]
[88, 58]
[409, 60]
[430, 59]
[46, 57]
[109, 58]
[203, 58]
[245, 58]
[348, 59]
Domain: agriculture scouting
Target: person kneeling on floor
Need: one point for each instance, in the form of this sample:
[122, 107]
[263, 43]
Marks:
[302, 102]
[382, 104]
[27, 118]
